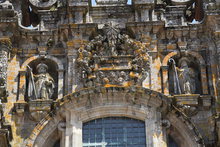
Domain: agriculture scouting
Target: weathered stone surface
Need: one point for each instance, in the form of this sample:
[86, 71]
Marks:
[110, 59]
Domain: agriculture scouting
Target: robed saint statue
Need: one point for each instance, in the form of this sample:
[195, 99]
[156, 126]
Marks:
[184, 77]
[41, 85]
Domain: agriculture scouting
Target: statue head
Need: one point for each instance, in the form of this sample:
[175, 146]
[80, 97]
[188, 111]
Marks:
[183, 62]
[42, 68]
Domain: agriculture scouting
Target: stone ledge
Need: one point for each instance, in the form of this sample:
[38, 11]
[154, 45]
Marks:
[39, 108]
[20, 107]
[39, 105]
[191, 99]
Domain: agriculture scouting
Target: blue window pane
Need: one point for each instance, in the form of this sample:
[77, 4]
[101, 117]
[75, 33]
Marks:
[171, 142]
[114, 132]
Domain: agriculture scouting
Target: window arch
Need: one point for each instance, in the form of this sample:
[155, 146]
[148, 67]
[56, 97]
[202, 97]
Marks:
[114, 132]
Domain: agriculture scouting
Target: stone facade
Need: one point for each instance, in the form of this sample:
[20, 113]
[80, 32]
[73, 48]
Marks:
[157, 61]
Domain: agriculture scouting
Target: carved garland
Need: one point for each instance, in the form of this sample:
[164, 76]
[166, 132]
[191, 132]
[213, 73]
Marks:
[112, 59]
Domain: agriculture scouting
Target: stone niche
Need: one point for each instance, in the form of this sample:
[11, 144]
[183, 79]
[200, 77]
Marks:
[184, 76]
[40, 97]
[52, 71]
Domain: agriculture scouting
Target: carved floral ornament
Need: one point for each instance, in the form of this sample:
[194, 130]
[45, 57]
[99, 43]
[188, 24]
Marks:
[113, 59]
[5, 46]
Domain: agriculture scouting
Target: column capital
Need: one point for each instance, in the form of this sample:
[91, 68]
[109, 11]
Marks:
[22, 72]
[164, 67]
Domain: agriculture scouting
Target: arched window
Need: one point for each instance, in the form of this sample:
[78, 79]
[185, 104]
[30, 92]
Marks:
[114, 132]
[172, 142]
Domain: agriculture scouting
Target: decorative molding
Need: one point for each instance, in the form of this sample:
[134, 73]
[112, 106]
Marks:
[112, 59]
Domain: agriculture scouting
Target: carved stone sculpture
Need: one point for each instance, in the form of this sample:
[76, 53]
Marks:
[183, 78]
[218, 90]
[3, 72]
[41, 86]
[5, 47]
[113, 58]
[186, 77]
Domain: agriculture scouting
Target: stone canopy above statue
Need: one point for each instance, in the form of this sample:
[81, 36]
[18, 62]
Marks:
[112, 58]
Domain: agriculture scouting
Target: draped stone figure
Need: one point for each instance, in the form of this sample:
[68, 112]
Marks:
[41, 85]
[187, 77]
[218, 89]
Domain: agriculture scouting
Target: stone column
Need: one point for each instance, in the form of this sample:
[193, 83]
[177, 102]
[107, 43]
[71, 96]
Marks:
[76, 130]
[150, 128]
[145, 15]
[60, 83]
[62, 129]
[68, 131]
[154, 132]
[165, 83]
[69, 61]
[5, 46]
[154, 15]
[136, 15]
[22, 86]
[79, 17]
[73, 131]
[204, 80]
[71, 75]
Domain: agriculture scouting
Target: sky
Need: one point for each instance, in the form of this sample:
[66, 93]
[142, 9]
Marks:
[93, 2]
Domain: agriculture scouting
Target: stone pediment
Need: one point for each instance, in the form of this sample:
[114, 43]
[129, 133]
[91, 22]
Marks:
[113, 58]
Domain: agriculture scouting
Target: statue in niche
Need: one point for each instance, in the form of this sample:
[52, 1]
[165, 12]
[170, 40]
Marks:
[41, 85]
[184, 77]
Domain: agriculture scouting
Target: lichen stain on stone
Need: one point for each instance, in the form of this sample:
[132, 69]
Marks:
[125, 84]
[158, 140]
[78, 42]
